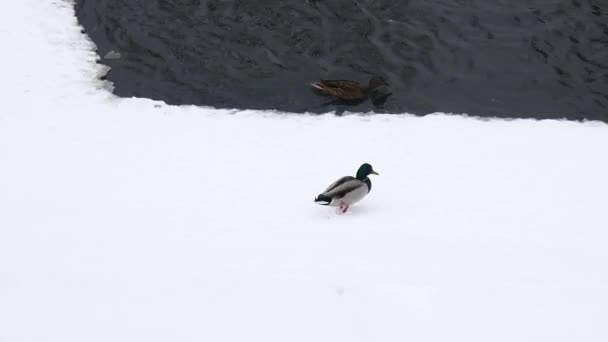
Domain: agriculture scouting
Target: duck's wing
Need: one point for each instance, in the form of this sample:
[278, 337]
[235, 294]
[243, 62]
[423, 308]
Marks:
[338, 183]
[343, 186]
[339, 88]
[337, 84]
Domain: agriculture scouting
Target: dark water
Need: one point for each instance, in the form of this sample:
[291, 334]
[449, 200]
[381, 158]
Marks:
[533, 58]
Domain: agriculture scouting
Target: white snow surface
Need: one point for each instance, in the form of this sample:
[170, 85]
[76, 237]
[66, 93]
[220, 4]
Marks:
[131, 220]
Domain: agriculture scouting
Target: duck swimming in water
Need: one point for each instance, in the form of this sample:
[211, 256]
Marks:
[348, 190]
[347, 90]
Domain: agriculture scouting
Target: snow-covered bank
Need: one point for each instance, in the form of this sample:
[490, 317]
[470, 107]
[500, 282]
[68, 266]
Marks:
[129, 220]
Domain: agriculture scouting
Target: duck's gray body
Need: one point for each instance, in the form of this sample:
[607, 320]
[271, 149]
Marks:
[345, 191]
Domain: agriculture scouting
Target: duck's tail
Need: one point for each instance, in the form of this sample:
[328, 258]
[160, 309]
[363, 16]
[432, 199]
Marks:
[323, 200]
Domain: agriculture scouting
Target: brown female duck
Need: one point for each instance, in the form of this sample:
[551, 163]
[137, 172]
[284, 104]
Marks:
[347, 90]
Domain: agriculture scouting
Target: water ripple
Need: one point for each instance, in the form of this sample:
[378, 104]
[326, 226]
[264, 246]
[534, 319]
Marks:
[539, 58]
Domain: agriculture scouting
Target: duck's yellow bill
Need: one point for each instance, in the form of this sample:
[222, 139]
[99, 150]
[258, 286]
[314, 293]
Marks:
[375, 173]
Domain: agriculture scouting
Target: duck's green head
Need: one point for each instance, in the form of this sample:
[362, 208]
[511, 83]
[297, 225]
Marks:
[364, 171]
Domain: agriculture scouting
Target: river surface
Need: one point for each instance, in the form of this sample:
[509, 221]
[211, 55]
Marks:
[533, 58]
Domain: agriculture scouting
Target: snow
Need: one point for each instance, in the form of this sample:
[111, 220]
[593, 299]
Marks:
[132, 220]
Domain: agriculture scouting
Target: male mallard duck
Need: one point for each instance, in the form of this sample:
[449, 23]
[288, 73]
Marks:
[348, 190]
[347, 90]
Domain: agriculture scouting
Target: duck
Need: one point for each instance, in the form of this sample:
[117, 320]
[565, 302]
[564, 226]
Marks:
[347, 90]
[348, 190]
